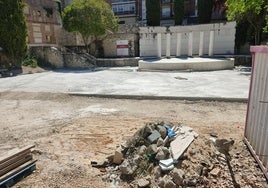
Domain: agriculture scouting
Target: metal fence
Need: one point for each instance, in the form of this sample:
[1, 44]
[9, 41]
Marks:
[256, 131]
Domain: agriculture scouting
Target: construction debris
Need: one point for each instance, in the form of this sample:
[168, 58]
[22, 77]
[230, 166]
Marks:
[15, 165]
[181, 159]
[153, 150]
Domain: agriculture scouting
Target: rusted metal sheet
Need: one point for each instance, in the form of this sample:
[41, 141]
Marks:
[256, 131]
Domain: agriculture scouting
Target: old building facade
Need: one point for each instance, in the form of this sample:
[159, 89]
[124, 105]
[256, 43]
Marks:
[43, 21]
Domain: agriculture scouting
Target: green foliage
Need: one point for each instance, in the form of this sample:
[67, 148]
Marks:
[89, 18]
[13, 30]
[30, 61]
[153, 12]
[254, 11]
[266, 20]
[205, 10]
[178, 11]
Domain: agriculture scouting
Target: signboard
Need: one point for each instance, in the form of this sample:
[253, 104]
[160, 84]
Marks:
[122, 48]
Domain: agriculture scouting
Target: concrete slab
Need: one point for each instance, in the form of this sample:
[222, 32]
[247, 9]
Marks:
[187, 63]
[128, 81]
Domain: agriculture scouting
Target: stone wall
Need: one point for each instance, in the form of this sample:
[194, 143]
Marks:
[125, 32]
[77, 61]
[48, 56]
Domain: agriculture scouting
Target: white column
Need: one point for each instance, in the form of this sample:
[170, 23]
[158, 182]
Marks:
[168, 45]
[196, 8]
[159, 49]
[211, 43]
[190, 44]
[201, 44]
[178, 51]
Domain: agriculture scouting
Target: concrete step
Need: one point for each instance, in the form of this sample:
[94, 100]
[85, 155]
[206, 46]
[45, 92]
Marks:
[188, 63]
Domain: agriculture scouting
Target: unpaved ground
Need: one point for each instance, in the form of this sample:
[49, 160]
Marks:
[69, 131]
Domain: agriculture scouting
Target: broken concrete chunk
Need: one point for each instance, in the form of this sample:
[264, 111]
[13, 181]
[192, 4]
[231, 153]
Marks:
[160, 154]
[154, 136]
[162, 130]
[215, 172]
[160, 142]
[157, 172]
[166, 162]
[190, 181]
[118, 157]
[148, 129]
[142, 150]
[180, 144]
[152, 149]
[166, 168]
[178, 176]
[143, 183]
[126, 168]
[169, 184]
[166, 151]
[161, 183]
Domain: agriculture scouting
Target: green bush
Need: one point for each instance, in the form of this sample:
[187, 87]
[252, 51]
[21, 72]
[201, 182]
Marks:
[30, 61]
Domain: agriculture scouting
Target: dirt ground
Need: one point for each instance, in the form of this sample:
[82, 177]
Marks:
[69, 131]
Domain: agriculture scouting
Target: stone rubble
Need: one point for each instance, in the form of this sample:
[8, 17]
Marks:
[153, 162]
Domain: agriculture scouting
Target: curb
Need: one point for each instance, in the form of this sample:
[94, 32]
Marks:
[146, 97]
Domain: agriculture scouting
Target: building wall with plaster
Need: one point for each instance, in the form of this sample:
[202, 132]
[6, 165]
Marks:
[223, 39]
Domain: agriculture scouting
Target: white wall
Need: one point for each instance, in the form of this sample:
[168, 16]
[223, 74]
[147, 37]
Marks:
[224, 39]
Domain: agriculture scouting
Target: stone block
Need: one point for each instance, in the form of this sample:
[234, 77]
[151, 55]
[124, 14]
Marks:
[118, 157]
[154, 136]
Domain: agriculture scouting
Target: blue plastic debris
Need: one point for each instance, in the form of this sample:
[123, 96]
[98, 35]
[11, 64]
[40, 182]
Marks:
[170, 132]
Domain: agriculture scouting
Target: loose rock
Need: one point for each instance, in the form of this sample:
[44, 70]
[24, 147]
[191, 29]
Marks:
[152, 149]
[170, 184]
[178, 176]
[162, 130]
[160, 154]
[143, 183]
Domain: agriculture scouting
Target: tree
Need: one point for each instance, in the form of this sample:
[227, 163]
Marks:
[90, 18]
[153, 12]
[205, 10]
[178, 11]
[254, 11]
[13, 31]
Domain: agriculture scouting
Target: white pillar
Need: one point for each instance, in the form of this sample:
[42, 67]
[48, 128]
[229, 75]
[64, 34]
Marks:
[196, 8]
[211, 43]
[201, 44]
[190, 44]
[178, 51]
[168, 45]
[159, 49]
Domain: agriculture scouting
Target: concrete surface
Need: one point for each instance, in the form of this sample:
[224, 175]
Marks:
[129, 82]
[195, 64]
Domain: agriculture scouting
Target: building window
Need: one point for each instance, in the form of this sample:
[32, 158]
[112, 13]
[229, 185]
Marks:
[166, 12]
[166, 1]
[124, 9]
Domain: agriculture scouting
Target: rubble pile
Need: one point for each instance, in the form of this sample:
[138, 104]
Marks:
[164, 155]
